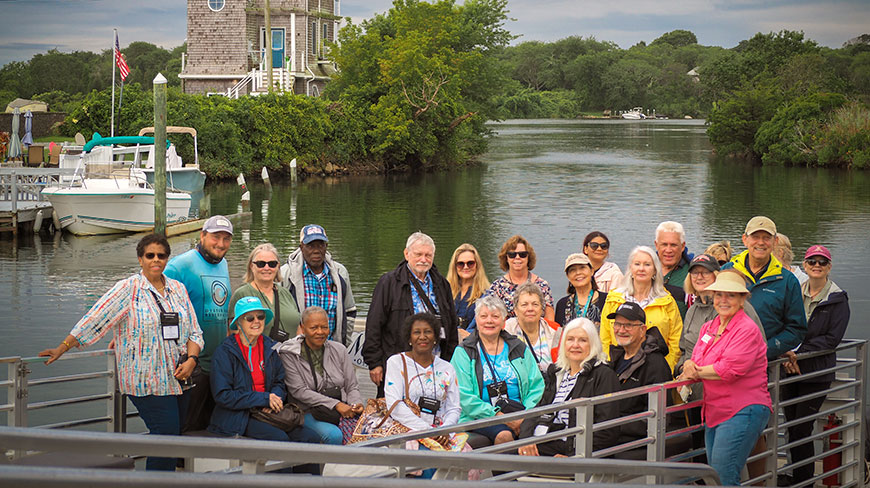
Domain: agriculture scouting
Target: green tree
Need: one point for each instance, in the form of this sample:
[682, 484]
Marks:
[677, 38]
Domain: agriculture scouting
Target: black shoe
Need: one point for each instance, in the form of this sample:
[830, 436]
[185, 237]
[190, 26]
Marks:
[784, 480]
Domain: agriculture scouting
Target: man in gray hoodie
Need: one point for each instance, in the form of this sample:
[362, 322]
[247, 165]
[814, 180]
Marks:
[315, 279]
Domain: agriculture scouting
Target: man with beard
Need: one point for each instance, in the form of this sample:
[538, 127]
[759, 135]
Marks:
[203, 272]
[414, 286]
[315, 279]
[638, 360]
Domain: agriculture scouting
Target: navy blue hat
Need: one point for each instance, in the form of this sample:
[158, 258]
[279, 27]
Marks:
[312, 232]
[631, 311]
[249, 304]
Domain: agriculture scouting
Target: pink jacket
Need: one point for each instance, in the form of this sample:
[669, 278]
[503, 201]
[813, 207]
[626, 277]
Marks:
[740, 359]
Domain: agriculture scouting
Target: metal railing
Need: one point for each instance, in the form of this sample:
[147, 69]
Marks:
[26, 184]
[845, 398]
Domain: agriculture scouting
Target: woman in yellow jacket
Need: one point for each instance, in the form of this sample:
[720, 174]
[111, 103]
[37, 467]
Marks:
[643, 284]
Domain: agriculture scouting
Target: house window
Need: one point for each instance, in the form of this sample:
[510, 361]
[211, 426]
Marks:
[312, 34]
[216, 5]
[324, 36]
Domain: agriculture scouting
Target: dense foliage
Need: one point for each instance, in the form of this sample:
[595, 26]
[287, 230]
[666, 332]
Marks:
[783, 100]
[63, 79]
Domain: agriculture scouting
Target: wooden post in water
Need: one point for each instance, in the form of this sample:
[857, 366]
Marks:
[160, 155]
[268, 20]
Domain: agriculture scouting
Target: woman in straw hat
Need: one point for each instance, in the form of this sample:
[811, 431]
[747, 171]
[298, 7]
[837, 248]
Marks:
[730, 359]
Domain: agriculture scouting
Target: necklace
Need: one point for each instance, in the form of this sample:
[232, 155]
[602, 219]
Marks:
[263, 293]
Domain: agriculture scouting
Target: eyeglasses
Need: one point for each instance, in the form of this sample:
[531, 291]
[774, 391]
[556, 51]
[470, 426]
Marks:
[466, 264]
[701, 272]
[263, 264]
[522, 254]
[625, 325]
[595, 245]
[818, 262]
[259, 316]
[159, 255]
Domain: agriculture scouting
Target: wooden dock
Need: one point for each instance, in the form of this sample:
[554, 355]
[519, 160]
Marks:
[21, 196]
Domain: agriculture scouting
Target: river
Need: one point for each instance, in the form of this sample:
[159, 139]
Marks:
[552, 181]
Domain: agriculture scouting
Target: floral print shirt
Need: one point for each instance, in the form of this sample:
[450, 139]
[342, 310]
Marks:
[504, 289]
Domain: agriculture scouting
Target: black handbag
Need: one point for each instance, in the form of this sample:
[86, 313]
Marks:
[289, 418]
[320, 412]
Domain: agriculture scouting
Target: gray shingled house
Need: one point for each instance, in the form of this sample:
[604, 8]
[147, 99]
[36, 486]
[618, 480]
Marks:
[227, 42]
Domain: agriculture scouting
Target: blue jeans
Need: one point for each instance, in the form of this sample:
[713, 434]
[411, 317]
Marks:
[729, 443]
[327, 433]
[162, 415]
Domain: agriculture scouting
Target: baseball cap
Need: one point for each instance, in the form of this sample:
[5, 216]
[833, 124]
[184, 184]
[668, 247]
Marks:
[577, 258]
[705, 261]
[629, 310]
[312, 232]
[818, 250]
[218, 223]
[760, 222]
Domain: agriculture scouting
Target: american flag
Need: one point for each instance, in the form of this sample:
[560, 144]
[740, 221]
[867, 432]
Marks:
[119, 60]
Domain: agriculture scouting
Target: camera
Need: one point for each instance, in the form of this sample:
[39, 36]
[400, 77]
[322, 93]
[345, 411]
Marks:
[429, 405]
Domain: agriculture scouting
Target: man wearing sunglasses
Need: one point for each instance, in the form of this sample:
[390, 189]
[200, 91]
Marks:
[774, 291]
[316, 280]
[414, 286]
[203, 272]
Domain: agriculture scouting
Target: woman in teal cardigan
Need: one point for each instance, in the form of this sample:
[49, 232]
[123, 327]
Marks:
[497, 372]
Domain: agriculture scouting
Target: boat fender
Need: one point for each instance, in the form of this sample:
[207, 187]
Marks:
[37, 222]
[55, 220]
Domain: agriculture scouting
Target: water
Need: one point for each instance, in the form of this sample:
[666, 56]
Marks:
[552, 181]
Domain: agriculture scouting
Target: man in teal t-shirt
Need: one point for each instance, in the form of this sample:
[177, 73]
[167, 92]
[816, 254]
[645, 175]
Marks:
[204, 273]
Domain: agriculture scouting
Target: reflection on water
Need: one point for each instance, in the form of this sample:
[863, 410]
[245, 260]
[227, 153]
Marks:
[552, 181]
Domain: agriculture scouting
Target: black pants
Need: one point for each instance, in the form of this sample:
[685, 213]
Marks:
[803, 429]
[198, 404]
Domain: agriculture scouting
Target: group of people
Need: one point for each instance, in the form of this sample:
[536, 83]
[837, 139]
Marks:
[461, 348]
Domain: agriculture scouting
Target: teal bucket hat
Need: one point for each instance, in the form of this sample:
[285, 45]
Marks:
[248, 304]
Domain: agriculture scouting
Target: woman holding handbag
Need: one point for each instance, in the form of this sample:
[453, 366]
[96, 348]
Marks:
[419, 378]
[262, 280]
[247, 375]
[320, 377]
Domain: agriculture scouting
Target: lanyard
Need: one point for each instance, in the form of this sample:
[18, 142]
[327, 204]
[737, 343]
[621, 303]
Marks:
[311, 365]
[488, 362]
[417, 370]
[529, 342]
[244, 340]
[585, 307]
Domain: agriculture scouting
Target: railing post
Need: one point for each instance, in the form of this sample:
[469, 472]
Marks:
[21, 393]
[253, 467]
[656, 428]
[583, 439]
[860, 376]
[772, 441]
[14, 180]
[114, 410]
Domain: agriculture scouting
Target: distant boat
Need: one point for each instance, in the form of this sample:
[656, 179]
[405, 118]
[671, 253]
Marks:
[634, 114]
[180, 176]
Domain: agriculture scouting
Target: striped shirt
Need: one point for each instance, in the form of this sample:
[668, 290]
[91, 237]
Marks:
[146, 362]
[322, 292]
[562, 394]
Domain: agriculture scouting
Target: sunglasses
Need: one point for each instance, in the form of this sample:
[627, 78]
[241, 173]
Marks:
[159, 255]
[466, 264]
[595, 245]
[259, 316]
[818, 262]
[263, 264]
[522, 254]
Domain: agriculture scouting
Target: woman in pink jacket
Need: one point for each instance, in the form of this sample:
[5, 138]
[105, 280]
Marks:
[730, 359]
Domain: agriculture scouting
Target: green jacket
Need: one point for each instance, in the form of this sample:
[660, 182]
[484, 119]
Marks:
[469, 372]
[677, 278]
[779, 303]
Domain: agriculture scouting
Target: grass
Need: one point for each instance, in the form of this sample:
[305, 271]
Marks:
[57, 139]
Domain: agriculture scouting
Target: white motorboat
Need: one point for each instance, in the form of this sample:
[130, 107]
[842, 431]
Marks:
[634, 114]
[179, 175]
[106, 199]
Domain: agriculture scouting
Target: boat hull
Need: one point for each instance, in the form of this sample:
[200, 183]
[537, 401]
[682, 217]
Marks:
[183, 179]
[95, 212]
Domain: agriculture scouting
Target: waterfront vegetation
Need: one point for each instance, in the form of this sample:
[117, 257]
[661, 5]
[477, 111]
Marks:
[418, 83]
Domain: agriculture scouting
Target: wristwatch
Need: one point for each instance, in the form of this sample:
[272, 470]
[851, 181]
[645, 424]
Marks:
[195, 359]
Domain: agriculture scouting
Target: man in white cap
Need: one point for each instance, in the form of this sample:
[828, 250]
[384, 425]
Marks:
[315, 279]
[775, 292]
[203, 272]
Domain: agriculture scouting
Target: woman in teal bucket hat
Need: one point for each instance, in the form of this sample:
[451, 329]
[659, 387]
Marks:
[247, 373]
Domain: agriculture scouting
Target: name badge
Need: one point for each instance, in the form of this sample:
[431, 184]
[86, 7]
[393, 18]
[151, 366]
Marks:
[706, 338]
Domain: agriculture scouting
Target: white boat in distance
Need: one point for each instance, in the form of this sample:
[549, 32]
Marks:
[634, 114]
[108, 198]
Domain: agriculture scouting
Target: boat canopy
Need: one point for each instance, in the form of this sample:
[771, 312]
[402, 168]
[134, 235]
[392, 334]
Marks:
[172, 129]
[99, 140]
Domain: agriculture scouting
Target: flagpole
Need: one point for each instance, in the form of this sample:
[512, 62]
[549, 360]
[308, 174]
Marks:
[120, 103]
[112, 129]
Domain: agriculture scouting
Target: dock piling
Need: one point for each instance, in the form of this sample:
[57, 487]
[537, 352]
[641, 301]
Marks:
[160, 155]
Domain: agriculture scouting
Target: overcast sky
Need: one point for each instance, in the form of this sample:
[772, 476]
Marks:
[34, 26]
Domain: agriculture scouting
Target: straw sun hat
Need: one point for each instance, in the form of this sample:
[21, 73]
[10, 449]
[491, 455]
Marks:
[729, 282]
